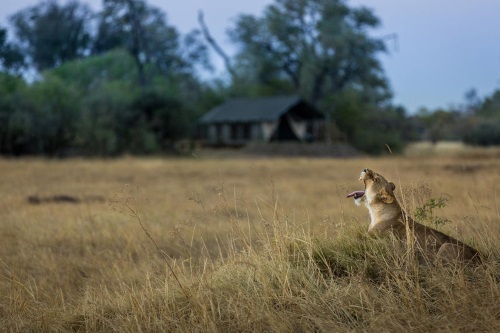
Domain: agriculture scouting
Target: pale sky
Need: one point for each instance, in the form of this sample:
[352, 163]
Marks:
[445, 47]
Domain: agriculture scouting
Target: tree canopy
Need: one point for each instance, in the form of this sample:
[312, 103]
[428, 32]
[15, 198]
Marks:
[320, 47]
[144, 32]
[11, 58]
[50, 34]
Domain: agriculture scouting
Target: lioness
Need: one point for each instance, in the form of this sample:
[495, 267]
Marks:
[387, 215]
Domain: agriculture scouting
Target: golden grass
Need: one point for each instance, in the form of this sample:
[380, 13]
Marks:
[245, 245]
[450, 148]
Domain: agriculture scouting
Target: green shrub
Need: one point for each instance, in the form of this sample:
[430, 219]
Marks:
[484, 133]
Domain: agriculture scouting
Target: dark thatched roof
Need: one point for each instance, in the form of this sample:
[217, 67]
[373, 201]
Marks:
[258, 110]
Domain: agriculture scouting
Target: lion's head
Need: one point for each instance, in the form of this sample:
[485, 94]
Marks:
[376, 188]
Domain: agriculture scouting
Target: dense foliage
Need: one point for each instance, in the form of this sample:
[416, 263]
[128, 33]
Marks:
[103, 112]
[123, 80]
[130, 87]
[475, 122]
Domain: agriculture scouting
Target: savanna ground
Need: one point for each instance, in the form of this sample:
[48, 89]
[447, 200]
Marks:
[240, 245]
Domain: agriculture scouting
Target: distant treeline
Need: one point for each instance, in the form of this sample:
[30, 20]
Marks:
[94, 106]
[475, 122]
[123, 80]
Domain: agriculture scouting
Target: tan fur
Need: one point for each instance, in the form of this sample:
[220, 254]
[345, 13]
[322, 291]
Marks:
[386, 215]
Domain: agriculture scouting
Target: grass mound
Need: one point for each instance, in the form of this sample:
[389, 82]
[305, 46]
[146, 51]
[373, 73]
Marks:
[295, 284]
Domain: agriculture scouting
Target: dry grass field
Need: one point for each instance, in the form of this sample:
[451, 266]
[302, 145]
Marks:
[239, 245]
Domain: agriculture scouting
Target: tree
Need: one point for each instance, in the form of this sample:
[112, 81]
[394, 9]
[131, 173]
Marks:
[439, 124]
[369, 127]
[11, 58]
[490, 106]
[117, 115]
[13, 133]
[483, 126]
[320, 46]
[41, 118]
[51, 34]
[472, 101]
[144, 32]
[91, 73]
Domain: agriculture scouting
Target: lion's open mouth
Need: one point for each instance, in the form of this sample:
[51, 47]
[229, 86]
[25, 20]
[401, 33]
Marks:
[356, 194]
[359, 194]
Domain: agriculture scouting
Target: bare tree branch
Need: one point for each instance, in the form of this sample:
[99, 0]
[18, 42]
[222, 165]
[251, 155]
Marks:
[214, 45]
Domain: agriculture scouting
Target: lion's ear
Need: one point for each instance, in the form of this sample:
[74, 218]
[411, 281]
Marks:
[386, 196]
[390, 187]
